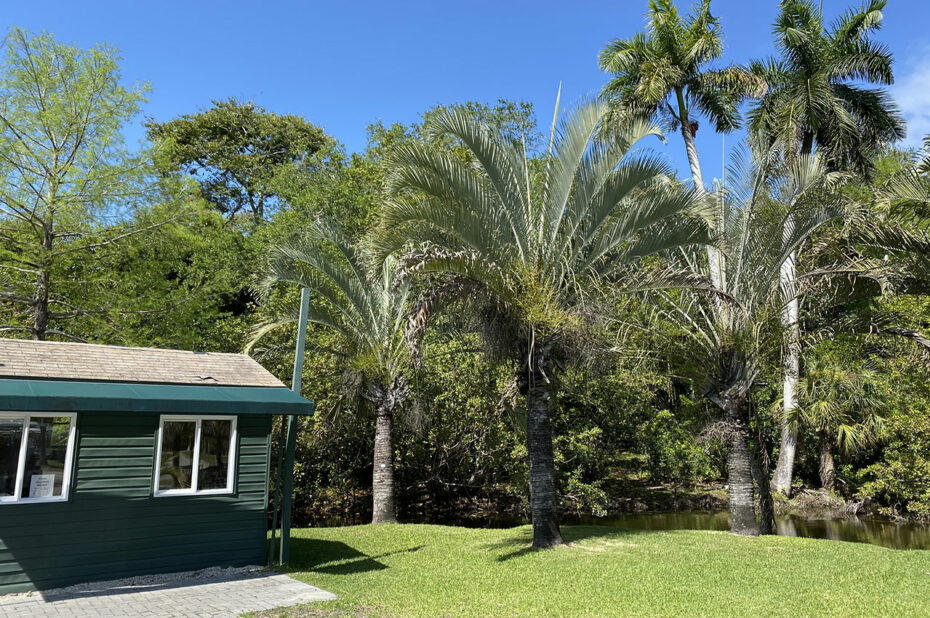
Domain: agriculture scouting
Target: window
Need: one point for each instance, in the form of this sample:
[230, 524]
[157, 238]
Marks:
[195, 455]
[35, 456]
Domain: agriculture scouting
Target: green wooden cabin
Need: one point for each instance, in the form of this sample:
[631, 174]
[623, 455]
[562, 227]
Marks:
[122, 461]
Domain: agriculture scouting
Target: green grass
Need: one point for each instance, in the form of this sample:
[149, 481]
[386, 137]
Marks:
[422, 570]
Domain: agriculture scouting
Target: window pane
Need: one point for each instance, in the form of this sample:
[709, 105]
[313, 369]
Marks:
[177, 455]
[11, 437]
[214, 454]
[46, 448]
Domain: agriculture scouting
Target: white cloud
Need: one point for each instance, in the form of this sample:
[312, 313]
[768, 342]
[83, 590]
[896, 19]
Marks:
[912, 92]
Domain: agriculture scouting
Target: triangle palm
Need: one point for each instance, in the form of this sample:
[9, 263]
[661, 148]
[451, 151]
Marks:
[369, 313]
[531, 234]
[732, 330]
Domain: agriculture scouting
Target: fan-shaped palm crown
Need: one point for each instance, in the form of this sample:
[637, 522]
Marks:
[367, 310]
[842, 405]
[528, 230]
[766, 216]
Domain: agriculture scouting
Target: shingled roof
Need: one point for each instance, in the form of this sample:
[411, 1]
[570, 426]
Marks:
[84, 361]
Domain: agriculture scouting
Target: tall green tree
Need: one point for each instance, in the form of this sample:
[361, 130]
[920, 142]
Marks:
[817, 87]
[533, 236]
[734, 328]
[817, 98]
[665, 74]
[69, 188]
[368, 311]
[236, 151]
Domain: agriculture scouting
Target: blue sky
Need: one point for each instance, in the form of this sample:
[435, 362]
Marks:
[345, 64]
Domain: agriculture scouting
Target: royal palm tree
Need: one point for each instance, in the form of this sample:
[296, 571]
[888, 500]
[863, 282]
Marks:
[844, 410]
[665, 75]
[816, 95]
[369, 313]
[736, 326]
[816, 98]
[532, 234]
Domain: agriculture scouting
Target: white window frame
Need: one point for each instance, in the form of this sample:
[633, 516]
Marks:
[21, 462]
[195, 473]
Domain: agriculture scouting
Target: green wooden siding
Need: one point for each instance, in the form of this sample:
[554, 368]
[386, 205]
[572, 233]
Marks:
[113, 527]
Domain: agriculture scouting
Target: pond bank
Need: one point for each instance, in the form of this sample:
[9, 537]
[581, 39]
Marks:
[871, 530]
[499, 507]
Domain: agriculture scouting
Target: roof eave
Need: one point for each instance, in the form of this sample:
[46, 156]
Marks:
[31, 395]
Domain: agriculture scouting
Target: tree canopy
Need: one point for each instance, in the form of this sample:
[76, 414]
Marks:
[236, 152]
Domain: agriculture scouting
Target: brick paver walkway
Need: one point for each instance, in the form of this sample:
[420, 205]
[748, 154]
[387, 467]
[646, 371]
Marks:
[213, 596]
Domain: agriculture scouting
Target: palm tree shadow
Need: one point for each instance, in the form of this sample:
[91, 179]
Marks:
[336, 558]
[520, 543]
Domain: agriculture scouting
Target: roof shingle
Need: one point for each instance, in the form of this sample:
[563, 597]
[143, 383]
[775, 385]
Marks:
[85, 361]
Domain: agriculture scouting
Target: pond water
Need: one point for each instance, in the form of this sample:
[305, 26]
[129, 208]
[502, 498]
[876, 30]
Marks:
[874, 530]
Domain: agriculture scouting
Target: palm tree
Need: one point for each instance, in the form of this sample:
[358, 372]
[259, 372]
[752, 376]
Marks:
[369, 313]
[815, 94]
[844, 410]
[664, 75]
[733, 328]
[816, 98]
[532, 234]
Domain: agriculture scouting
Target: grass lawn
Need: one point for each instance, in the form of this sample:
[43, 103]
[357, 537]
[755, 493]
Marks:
[422, 570]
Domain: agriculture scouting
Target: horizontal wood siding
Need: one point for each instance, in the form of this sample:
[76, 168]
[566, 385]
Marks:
[113, 527]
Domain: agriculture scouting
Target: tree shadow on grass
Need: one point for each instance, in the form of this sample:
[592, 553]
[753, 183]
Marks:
[520, 543]
[336, 558]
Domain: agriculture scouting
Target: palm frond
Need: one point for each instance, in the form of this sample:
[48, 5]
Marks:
[500, 162]
[366, 308]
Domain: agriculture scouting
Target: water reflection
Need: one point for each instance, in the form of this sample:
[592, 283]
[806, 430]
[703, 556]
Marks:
[876, 531]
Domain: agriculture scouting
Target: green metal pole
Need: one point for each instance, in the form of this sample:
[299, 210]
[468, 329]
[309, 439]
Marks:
[277, 494]
[291, 442]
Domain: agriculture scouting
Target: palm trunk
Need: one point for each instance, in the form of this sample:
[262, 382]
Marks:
[742, 497]
[827, 465]
[766, 505]
[382, 487]
[784, 469]
[739, 469]
[714, 258]
[543, 507]
[787, 452]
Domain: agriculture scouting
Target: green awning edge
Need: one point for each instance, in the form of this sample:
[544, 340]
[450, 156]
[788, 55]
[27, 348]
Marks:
[36, 395]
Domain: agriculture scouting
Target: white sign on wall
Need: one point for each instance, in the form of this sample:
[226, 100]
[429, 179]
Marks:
[42, 486]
